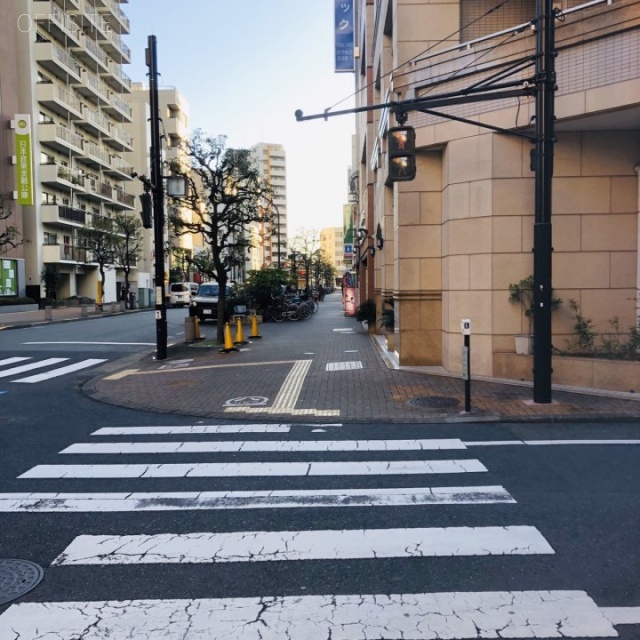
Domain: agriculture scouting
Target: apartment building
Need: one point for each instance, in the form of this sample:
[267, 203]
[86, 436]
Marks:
[174, 128]
[270, 239]
[333, 248]
[62, 73]
[461, 232]
[12, 262]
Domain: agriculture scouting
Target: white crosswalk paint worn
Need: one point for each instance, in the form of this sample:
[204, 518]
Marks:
[280, 446]
[265, 546]
[203, 429]
[199, 500]
[31, 366]
[535, 443]
[423, 616]
[7, 361]
[240, 469]
[61, 371]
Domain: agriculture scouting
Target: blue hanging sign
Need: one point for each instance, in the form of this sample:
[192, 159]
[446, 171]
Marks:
[344, 36]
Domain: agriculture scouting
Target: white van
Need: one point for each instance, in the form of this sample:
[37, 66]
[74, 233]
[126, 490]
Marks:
[181, 293]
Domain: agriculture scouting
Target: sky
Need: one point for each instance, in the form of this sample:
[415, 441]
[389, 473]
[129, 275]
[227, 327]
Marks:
[244, 67]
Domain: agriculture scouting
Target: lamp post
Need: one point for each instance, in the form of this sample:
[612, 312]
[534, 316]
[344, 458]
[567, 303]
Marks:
[157, 190]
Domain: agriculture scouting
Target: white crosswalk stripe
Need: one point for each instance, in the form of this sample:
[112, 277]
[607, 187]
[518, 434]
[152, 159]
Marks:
[403, 614]
[53, 372]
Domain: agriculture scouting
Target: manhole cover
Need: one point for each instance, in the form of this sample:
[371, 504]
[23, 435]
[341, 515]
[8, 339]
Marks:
[433, 402]
[17, 577]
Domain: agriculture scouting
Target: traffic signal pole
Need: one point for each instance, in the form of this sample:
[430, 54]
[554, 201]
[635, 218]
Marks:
[543, 86]
[157, 189]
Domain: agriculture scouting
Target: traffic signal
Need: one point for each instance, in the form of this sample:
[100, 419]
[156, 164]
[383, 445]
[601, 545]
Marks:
[401, 146]
[147, 210]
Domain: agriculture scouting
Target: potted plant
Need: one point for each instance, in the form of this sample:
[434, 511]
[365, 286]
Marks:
[387, 323]
[366, 312]
[522, 293]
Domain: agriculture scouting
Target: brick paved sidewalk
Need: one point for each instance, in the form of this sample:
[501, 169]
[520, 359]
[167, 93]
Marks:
[327, 369]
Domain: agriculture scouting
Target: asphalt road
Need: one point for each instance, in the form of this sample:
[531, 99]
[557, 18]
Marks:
[354, 531]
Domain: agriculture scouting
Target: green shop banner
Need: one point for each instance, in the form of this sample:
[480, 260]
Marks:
[23, 159]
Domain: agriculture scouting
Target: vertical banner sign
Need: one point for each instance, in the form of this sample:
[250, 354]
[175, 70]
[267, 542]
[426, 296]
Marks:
[344, 36]
[23, 156]
[347, 225]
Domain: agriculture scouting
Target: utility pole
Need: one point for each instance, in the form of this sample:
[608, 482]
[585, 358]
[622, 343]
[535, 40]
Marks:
[157, 189]
[543, 164]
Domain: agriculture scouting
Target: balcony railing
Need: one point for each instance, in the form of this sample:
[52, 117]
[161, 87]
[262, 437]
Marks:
[124, 198]
[119, 165]
[121, 106]
[95, 152]
[124, 139]
[57, 60]
[58, 99]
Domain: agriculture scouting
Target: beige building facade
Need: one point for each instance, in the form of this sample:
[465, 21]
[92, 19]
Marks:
[461, 232]
[332, 247]
[64, 69]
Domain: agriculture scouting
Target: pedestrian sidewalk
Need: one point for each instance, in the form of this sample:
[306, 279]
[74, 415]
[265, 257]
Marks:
[329, 369]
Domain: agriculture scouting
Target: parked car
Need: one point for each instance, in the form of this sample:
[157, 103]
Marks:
[181, 293]
[205, 304]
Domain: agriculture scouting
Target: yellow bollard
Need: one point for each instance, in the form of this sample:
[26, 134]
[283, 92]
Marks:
[228, 342]
[254, 328]
[196, 328]
[239, 333]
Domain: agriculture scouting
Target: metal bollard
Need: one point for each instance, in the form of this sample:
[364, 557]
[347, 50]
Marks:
[48, 313]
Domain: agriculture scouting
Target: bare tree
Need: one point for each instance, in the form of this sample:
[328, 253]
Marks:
[8, 232]
[127, 247]
[226, 195]
[98, 241]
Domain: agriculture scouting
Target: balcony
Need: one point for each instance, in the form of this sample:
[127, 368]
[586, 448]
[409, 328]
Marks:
[94, 88]
[95, 155]
[115, 16]
[117, 78]
[98, 191]
[60, 214]
[115, 48]
[119, 139]
[119, 168]
[62, 177]
[59, 100]
[94, 122]
[91, 54]
[56, 22]
[62, 64]
[119, 108]
[60, 138]
[54, 253]
[123, 200]
[88, 18]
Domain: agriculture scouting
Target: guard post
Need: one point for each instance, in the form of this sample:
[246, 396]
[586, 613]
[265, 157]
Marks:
[465, 327]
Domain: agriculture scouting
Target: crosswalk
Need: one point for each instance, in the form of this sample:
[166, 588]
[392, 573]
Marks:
[28, 364]
[398, 473]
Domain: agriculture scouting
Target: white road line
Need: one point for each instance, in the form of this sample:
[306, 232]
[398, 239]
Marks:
[265, 546]
[193, 430]
[622, 615]
[459, 615]
[240, 469]
[8, 361]
[134, 344]
[251, 446]
[29, 367]
[61, 371]
[200, 500]
[290, 390]
[535, 443]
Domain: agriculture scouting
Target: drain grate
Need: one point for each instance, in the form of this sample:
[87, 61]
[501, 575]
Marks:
[17, 577]
[433, 402]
